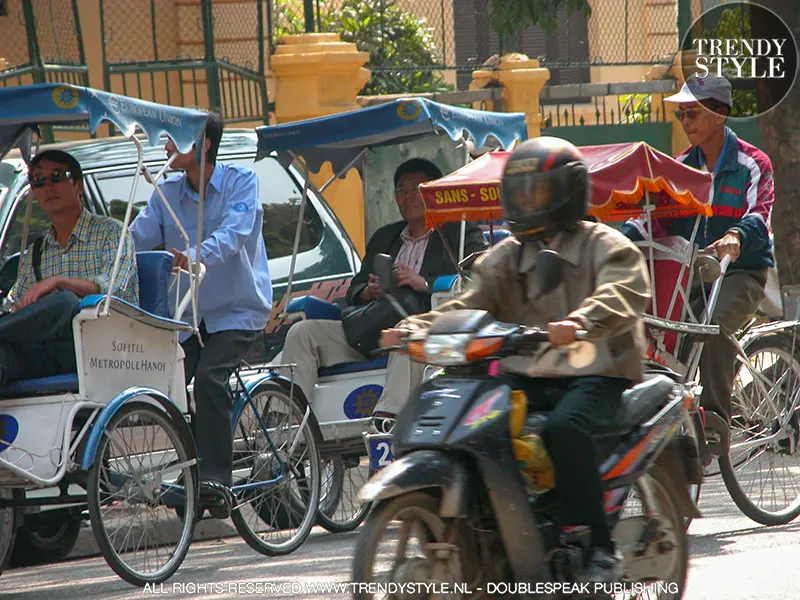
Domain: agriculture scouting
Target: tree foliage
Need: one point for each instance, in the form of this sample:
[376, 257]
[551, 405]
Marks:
[510, 17]
[403, 54]
[780, 135]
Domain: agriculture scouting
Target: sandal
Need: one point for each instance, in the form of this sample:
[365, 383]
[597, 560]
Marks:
[216, 498]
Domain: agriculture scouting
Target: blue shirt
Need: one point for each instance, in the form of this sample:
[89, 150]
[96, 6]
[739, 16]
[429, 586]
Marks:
[236, 292]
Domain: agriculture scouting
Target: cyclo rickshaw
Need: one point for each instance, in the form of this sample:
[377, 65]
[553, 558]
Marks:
[635, 181]
[114, 437]
[345, 394]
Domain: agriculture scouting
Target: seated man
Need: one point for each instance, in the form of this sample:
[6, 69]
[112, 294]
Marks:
[73, 259]
[604, 290]
[419, 258]
[742, 204]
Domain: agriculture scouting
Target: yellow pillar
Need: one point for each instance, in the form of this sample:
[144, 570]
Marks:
[316, 74]
[522, 79]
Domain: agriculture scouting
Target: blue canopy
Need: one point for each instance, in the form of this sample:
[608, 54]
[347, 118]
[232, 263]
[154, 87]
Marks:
[340, 138]
[23, 108]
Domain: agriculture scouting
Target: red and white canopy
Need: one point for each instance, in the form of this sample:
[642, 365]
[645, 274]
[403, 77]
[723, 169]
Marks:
[620, 176]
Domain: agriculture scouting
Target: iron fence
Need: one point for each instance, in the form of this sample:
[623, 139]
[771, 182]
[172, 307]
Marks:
[42, 43]
[200, 53]
[408, 39]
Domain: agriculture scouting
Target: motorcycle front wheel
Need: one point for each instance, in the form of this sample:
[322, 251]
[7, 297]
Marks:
[414, 520]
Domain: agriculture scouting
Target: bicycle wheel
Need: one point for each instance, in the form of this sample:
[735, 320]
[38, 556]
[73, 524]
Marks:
[762, 468]
[339, 507]
[138, 532]
[275, 444]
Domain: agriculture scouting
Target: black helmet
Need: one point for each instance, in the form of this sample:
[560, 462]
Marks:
[545, 188]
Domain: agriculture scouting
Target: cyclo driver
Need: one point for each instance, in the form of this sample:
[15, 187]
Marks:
[605, 290]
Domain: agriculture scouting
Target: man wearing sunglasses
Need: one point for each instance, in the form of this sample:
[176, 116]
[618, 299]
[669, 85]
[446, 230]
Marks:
[74, 258]
[739, 227]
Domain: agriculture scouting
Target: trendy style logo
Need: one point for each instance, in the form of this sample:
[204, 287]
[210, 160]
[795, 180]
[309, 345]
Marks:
[748, 45]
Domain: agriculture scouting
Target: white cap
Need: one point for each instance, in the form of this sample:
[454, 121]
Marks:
[710, 87]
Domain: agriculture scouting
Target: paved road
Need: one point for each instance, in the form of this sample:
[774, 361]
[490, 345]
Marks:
[732, 558]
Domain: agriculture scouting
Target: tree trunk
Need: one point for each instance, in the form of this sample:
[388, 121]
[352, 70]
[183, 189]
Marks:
[780, 134]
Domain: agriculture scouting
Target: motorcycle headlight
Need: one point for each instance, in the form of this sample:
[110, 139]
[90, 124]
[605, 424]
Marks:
[449, 349]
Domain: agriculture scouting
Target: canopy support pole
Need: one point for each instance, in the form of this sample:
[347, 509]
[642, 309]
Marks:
[649, 209]
[194, 266]
[462, 241]
[343, 170]
[126, 221]
[297, 233]
[449, 250]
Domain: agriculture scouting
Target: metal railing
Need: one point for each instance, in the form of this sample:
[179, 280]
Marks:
[208, 54]
[44, 45]
[454, 37]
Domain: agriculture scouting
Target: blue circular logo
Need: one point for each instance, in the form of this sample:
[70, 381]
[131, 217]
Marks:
[240, 207]
[360, 403]
[9, 429]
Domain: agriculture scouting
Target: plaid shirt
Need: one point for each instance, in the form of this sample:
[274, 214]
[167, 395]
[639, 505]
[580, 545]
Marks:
[89, 255]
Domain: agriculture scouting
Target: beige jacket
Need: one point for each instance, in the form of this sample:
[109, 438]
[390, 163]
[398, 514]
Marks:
[605, 288]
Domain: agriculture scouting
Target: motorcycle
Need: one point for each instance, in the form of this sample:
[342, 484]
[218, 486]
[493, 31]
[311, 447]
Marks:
[472, 525]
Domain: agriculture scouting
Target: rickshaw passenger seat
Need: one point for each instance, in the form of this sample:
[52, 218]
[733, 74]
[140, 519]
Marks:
[154, 269]
[499, 236]
[314, 308]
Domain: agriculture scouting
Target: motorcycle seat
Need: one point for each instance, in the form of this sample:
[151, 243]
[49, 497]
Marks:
[637, 405]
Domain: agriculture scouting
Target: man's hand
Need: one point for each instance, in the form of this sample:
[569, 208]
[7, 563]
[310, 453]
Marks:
[373, 290]
[730, 244]
[37, 291]
[392, 337]
[407, 276]
[180, 261]
[562, 333]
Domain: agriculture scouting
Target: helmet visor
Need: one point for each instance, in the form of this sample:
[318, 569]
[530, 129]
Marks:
[529, 194]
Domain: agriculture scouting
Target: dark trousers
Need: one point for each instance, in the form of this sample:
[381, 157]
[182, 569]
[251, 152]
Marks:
[37, 341]
[739, 297]
[578, 407]
[211, 366]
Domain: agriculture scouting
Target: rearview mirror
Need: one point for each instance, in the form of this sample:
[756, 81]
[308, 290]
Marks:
[384, 271]
[549, 271]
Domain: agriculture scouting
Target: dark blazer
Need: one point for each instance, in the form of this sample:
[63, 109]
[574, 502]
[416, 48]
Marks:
[437, 261]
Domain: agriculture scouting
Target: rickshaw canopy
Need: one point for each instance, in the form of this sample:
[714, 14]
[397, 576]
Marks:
[27, 107]
[342, 137]
[621, 176]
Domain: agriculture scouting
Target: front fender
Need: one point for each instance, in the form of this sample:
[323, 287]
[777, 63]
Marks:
[419, 470]
[141, 394]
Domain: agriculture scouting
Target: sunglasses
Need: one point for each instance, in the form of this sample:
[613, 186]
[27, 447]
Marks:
[39, 181]
[689, 113]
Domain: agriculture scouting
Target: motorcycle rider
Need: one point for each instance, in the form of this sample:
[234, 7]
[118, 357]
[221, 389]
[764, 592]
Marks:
[604, 290]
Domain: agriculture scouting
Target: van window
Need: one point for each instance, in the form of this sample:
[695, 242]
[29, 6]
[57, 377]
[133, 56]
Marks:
[116, 189]
[280, 197]
[39, 224]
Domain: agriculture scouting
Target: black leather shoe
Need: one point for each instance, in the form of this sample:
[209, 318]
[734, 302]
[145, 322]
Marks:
[604, 566]
[718, 434]
[216, 498]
